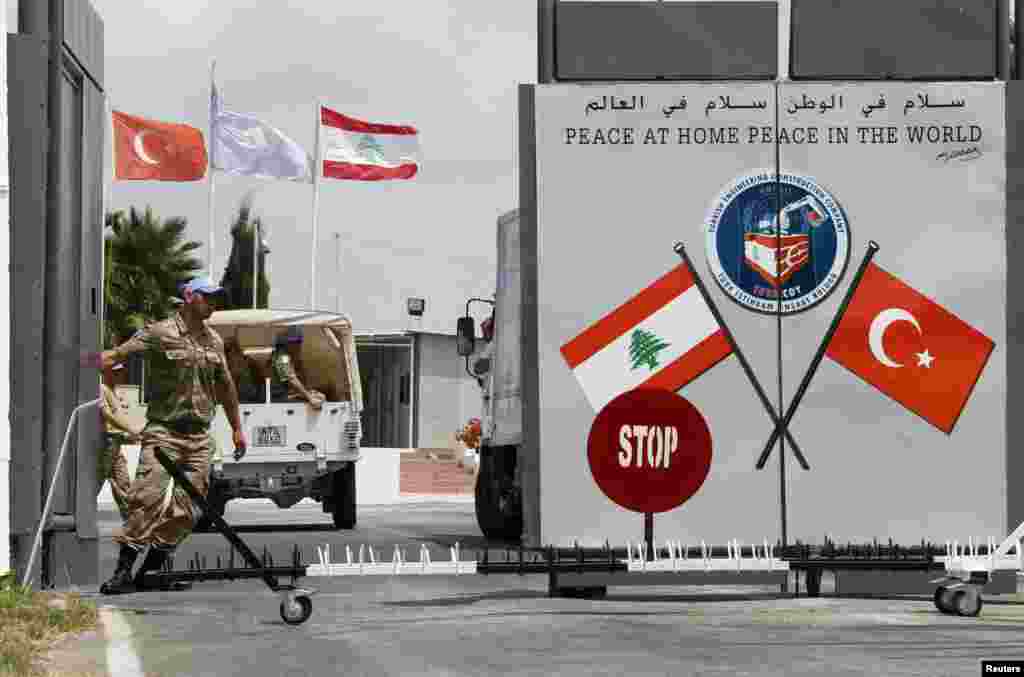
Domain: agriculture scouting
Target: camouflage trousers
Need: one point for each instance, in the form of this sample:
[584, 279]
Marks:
[160, 513]
[112, 465]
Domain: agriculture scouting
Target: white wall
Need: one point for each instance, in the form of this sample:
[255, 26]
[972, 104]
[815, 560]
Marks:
[448, 397]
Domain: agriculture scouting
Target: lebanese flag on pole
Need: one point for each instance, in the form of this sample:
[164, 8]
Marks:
[664, 337]
[366, 151]
[151, 150]
[910, 348]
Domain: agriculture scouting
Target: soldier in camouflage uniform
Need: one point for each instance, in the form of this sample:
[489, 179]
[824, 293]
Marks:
[118, 429]
[285, 384]
[250, 390]
[189, 376]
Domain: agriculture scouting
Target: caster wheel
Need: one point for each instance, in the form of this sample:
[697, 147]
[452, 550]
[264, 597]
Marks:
[967, 603]
[940, 594]
[298, 612]
[944, 600]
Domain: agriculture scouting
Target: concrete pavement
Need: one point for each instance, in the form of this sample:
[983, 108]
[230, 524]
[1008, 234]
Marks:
[507, 625]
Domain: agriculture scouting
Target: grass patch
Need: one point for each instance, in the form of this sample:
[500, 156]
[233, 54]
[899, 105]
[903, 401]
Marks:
[30, 621]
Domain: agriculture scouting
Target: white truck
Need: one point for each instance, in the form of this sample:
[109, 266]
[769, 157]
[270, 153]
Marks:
[498, 365]
[294, 451]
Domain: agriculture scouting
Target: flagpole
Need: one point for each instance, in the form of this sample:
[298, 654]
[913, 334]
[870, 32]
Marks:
[316, 204]
[872, 250]
[681, 251]
[778, 333]
[213, 145]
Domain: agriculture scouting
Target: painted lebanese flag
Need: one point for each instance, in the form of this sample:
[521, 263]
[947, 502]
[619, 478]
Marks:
[664, 337]
[366, 151]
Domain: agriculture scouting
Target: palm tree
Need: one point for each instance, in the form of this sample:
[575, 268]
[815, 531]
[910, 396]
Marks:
[237, 280]
[145, 261]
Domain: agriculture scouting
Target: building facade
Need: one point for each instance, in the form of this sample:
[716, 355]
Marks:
[417, 391]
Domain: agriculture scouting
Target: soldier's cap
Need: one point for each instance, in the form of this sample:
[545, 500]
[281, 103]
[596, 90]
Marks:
[293, 335]
[203, 285]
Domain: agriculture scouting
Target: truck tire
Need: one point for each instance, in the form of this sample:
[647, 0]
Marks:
[498, 509]
[486, 507]
[343, 508]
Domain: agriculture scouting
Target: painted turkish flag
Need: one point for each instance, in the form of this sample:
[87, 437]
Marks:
[161, 151]
[910, 348]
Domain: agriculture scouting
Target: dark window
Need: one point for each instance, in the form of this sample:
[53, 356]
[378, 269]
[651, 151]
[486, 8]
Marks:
[403, 390]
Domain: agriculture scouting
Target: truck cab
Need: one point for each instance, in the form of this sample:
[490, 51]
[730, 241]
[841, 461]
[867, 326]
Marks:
[496, 362]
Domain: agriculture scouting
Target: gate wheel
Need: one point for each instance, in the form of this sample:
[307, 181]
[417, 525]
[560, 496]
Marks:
[940, 592]
[297, 611]
[967, 602]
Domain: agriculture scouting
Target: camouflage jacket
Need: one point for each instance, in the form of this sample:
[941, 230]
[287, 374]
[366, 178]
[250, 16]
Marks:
[184, 369]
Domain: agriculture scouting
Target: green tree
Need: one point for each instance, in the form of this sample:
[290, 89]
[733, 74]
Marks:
[644, 348]
[238, 275]
[145, 260]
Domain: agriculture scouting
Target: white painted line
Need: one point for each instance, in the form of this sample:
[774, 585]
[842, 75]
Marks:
[122, 661]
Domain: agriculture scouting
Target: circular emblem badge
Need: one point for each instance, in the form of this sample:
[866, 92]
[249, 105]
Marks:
[754, 263]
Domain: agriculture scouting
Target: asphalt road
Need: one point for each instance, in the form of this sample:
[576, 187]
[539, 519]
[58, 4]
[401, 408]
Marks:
[484, 625]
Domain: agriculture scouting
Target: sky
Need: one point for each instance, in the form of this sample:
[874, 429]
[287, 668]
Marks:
[450, 69]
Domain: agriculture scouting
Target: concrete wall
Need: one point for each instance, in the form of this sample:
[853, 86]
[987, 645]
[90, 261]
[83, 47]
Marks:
[447, 396]
[56, 223]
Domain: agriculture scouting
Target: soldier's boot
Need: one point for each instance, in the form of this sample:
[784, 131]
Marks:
[155, 560]
[121, 582]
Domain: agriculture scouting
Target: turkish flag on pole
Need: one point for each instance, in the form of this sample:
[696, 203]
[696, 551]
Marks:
[910, 348]
[162, 151]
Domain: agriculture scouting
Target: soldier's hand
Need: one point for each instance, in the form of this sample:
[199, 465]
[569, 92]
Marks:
[91, 360]
[238, 437]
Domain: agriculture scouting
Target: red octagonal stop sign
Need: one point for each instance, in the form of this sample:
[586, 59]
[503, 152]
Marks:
[649, 450]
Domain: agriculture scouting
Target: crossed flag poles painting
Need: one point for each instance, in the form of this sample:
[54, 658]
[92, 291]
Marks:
[671, 333]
